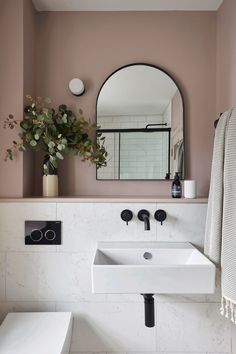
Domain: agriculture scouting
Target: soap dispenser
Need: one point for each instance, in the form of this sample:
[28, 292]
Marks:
[176, 187]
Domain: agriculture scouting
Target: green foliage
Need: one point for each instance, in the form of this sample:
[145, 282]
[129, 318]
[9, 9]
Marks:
[57, 132]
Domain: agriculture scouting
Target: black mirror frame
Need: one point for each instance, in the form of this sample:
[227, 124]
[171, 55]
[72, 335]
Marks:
[182, 98]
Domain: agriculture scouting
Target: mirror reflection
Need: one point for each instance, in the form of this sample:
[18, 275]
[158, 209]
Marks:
[140, 113]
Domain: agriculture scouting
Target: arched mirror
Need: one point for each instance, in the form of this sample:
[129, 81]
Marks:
[140, 113]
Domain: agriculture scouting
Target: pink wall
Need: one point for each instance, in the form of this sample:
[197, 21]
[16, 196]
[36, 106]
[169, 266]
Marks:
[17, 76]
[226, 56]
[91, 45]
[11, 98]
[29, 45]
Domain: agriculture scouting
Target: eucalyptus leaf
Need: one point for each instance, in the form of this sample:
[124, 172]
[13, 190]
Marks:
[59, 155]
[51, 144]
[64, 118]
[33, 143]
[61, 147]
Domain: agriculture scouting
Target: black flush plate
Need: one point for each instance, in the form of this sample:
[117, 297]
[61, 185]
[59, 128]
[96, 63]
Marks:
[42, 232]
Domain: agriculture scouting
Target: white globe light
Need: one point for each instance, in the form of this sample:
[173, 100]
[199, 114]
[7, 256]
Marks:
[76, 87]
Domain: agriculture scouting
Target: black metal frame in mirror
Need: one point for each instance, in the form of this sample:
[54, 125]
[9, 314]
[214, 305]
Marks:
[149, 128]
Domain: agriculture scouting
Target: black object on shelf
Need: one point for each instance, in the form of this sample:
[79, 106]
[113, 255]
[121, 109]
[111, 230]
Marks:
[42, 232]
[176, 190]
[160, 215]
[126, 215]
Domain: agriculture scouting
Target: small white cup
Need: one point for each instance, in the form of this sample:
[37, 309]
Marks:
[190, 189]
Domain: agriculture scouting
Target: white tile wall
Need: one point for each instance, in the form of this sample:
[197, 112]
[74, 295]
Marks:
[109, 327]
[12, 217]
[2, 276]
[25, 306]
[58, 278]
[136, 149]
[190, 327]
[128, 121]
[85, 224]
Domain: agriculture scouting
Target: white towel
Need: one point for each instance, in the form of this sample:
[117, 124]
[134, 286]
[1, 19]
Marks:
[220, 237]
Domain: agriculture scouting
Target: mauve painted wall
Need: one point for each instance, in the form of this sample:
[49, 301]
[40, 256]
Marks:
[17, 22]
[226, 56]
[91, 45]
[11, 97]
[29, 22]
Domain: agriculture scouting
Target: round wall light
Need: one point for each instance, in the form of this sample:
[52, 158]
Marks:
[76, 87]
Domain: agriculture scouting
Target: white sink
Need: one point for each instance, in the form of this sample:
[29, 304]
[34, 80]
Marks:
[171, 268]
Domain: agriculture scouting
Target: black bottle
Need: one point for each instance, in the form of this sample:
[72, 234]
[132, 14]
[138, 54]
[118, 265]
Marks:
[176, 187]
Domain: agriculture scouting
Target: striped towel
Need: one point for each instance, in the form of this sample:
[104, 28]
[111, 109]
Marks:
[220, 237]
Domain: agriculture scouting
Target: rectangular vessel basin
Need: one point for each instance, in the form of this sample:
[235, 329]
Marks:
[151, 267]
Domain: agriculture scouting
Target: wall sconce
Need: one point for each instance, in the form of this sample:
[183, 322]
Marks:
[76, 87]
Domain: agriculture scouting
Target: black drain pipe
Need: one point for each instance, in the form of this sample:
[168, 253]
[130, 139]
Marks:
[149, 310]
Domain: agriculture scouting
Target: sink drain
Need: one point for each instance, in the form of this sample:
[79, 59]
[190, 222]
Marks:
[147, 255]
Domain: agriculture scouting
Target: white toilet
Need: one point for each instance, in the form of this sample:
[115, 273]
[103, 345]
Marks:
[36, 333]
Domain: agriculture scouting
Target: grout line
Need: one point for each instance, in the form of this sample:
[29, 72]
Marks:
[84, 253]
[81, 301]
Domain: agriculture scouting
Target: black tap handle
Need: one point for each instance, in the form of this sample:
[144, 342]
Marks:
[160, 215]
[126, 215]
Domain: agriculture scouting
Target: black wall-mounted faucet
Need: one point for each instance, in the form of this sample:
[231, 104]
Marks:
[144, 215]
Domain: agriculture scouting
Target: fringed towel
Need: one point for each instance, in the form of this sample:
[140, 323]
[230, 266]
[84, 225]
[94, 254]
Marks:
[220, 238]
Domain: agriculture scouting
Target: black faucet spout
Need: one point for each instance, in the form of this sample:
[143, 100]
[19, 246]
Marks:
[146, 222]
[144, 215]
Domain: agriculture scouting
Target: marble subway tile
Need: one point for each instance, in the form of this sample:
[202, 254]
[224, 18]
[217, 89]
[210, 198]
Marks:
[216, 297]
[2, 276]
[164, 353]
[109, 327]
[12, 221]
[124, 298]
[24, 306]
[169, 298]
[192, 327]
[86, 223]
[90, 353]
[49, 277]
[183, 223]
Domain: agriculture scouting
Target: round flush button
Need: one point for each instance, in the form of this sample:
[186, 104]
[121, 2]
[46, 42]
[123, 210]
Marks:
[50, 235]
[36, 235]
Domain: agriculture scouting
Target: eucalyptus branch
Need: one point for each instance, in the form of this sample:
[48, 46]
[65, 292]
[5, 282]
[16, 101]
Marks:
[57, 132]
